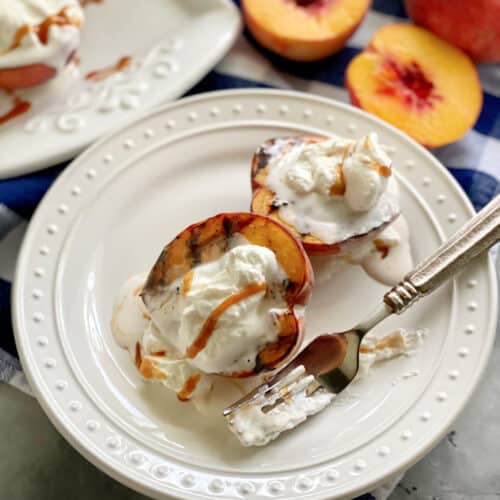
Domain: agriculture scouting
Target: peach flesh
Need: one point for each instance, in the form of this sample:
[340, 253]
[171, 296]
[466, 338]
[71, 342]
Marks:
[408, 82]
[303, 30]
[418, 82]
[312, 6]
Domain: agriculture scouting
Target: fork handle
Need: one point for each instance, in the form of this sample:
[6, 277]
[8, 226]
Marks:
[477, 235]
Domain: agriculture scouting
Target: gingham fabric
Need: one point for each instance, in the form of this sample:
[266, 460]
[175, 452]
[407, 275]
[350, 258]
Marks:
[474, 161]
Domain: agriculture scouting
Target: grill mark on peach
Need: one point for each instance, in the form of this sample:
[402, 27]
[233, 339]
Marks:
[211, 322]
[262, 157]
[194, 248]
[189, 387]
[227, 226]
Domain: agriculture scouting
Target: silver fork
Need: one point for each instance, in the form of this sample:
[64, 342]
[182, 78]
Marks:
[330, 362]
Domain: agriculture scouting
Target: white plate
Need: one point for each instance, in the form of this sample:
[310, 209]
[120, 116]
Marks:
[107, 217]
[174, 43]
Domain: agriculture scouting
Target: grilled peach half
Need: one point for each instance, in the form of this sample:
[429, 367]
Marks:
[207, 241]
[265, 201]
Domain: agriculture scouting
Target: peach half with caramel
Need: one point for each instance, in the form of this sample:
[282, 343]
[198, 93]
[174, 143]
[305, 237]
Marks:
[334, 194]
[228, 294]
[418, 82]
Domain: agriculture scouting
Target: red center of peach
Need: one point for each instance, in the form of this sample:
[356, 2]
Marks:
[312, 6]
[409, 82]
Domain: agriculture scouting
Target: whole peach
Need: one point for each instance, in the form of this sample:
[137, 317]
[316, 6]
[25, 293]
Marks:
[472, 25]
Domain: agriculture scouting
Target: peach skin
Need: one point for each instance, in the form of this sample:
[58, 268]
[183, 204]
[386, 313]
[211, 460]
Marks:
[472, 25]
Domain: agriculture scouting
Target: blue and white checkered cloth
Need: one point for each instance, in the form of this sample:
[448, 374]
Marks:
[474, 161]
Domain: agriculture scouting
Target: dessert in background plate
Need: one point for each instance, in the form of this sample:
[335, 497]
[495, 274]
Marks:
[37, 40]
[339, 196]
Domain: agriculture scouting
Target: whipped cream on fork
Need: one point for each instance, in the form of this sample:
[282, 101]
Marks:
[255, 427]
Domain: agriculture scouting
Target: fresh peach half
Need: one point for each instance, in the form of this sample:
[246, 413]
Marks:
[303, 30]
[207, 241]
[266, 202]
[417, 82]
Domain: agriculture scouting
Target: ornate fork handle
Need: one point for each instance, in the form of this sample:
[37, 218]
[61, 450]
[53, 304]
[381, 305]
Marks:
[480, 233]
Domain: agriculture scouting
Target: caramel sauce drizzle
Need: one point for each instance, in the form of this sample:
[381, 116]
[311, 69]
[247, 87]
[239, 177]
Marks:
[41, 30]
[186, 283]
[146, 366]
[382, 248]
[84, 3]
[189, 387]
[392, 341]
[159, 353]
[102, 74]
[148, 370]
[138, 355]
[19, 107]
[211, 322]
[338, 187]
[382, 170]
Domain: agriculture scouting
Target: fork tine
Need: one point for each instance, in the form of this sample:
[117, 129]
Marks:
[264, 393]
[291, 377]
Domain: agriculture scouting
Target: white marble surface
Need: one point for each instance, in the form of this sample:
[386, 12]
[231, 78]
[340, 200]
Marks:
[36, 463]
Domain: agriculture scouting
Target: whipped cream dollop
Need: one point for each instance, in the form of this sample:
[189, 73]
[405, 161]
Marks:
[390, 258]
[387, 257]
[253, 427]
[244, 328]
[39, 31]
[367, 170]
[399, 342]
[161, 338]
[154, 358]
[336, 188]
